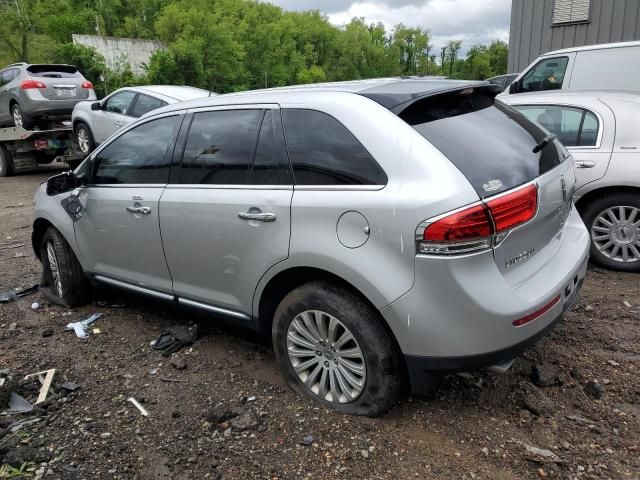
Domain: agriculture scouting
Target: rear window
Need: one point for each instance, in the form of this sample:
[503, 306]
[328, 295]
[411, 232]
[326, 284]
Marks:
[490, 143]
[53, 71]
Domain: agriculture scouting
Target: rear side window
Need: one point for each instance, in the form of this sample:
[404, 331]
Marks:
[139, 156]
[490, 143]
[575, 127]
[145, 104]
[323, 152]
[547, 74]
[270, 166]
[53, 71]
[220, 147]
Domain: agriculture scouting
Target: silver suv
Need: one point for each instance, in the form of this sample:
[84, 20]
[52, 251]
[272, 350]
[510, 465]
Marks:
[30, 94]
[377, 230]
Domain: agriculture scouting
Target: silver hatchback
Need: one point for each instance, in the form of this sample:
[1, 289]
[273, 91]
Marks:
[378, 230]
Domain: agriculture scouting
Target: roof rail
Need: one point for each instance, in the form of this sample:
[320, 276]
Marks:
[16, 64]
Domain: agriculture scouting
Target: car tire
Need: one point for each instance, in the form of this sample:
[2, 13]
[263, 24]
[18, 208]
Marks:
[20, 119]
[6, 163]
[372, 361]
[622, 212]
[63, 281]
[84, 139]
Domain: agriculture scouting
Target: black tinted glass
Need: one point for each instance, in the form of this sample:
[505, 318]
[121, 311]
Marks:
[220, 147]
[120, 102]
[270, 164]
[145, 104]
[323, 152]
[490, 143]
[137, 156]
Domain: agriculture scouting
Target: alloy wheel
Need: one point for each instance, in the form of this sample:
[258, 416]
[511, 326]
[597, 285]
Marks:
[17, 117]
[54, 268]
[326, 356]
[83, 140]
[616, 233]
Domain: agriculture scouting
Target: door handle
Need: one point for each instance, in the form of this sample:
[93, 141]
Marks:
[585, 164]
[140, 210]
[261, 217]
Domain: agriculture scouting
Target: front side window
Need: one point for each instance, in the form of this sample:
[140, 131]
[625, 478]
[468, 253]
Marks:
[120, 102]
[575, 127]
[548, 74]
[323, 152]
[139, 156]
[145, 104]
[220, 147]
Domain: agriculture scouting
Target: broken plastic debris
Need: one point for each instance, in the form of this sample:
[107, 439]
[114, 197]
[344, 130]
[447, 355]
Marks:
[138, 406]
[70, 386]
[17, 404]
[46, 383]
[81, 327]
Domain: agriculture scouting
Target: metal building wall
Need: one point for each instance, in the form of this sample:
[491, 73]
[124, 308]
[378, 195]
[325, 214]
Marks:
[532, 33]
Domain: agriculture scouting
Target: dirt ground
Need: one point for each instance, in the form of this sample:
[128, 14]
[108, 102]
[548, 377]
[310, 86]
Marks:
[585, 413]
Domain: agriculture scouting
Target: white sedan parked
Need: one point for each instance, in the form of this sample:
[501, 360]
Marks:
[600, 129]
[94, 122]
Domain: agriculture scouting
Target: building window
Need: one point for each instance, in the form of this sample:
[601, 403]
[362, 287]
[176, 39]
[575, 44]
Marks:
[571, 11]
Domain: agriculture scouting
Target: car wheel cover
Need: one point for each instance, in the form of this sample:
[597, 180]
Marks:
[326, 357]
[17, 117]
[615, 232]
[83, 140]
[54, 268]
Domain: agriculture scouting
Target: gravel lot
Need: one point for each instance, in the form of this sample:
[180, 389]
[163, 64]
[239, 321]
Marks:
[219, 409]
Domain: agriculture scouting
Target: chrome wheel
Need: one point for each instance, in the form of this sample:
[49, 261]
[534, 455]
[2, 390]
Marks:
[17, 117]
[53, 268]
[83, 140]
[326, 357]
[616, 233]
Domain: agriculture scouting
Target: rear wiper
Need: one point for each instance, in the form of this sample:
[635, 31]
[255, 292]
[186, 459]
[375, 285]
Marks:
[543, 143]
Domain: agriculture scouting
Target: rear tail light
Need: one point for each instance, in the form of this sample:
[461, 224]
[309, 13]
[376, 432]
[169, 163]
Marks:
[480, 226]
[29, 84]
[87, 84]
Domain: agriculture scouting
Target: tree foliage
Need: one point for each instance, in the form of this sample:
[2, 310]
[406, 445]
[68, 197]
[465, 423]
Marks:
[231, 45]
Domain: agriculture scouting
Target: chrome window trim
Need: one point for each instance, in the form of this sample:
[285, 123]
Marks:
[135, 288]
[127, 185]
[206, 306]
[198, 186]
[334, 188]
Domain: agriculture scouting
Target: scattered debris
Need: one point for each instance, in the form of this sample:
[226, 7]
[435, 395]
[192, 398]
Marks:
[245, 421]
[138, 406]
[35, 306]
[173, 380]
[307, 441]
[47, 332]
[178, 363]
[594, 389]
[46, 383]
[20, 424]
[15, 245]
[81, 327]
[96, 331]
[627, 303]
[538, 403]
[536, 454]
[69, 386]
[17, 404]
[105, 304]
[578, 419]
[175, 339]
[544, 375]
[613, 363]
[221, 414]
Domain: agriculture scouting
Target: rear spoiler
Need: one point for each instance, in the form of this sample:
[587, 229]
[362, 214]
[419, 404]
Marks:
[43, 67]
[398, 103]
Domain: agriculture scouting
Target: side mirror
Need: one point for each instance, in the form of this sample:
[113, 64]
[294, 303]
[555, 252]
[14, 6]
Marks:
[64, 182]
[96, 106]
[513, 88]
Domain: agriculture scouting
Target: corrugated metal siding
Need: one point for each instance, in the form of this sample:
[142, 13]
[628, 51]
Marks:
[533, 33]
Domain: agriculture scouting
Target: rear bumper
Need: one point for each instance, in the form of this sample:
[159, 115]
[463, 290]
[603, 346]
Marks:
[459, 313]
[35, 104]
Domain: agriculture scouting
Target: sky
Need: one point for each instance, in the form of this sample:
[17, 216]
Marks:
[472, 21]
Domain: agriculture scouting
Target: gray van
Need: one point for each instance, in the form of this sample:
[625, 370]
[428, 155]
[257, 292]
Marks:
[605, 66]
